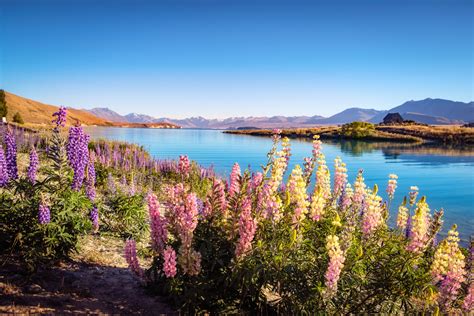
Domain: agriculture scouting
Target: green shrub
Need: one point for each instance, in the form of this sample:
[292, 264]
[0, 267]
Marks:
[357, 129]
[18, 119]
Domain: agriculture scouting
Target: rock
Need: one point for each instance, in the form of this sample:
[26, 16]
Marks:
[34, 289]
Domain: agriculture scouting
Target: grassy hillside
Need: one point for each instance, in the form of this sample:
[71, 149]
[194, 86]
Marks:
[37, 113]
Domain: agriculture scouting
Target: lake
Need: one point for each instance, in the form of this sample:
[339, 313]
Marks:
[444, 175]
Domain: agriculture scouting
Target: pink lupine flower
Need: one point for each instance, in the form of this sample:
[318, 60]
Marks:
[336, 263]
[372, 217]
[448, 268]
[276, 135]
[347, 196]
[131, 257]
[419, 227]
[468, 304]
[159, 231]
[216, 201]
[316, 147]
[308, 164]
[184, 165]
[247, 228]
[413, 194]
[190, 261]
[340, 177]
[234, 185]
[392, 185]
[169, 265]
[257, 179]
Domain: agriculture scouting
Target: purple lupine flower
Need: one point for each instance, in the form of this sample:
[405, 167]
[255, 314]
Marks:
[90, 180]
[3, 169]
[60, 118]
[78, 154]
[44, 214]
[94, 216]
[131, 257]
[10, 143]
[33, 167]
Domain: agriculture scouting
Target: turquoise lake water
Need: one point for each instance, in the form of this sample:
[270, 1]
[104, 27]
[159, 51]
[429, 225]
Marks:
[444, 175]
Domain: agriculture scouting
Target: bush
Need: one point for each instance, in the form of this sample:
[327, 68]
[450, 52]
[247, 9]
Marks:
[255, 246]
[18, 119]
[3, 105]
[41, 214]
[357, 129]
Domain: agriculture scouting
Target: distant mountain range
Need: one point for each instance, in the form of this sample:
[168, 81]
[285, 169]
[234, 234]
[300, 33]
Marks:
[428, 111]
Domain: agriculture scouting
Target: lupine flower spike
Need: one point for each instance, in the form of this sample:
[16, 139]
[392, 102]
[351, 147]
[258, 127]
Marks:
[33, 167]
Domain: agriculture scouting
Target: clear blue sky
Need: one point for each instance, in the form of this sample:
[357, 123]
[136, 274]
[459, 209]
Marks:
[236, 58]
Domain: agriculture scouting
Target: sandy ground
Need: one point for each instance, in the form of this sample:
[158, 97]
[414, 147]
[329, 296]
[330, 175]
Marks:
[96, 281]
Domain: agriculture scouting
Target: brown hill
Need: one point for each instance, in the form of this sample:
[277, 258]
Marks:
[37, 113]
[34, 112]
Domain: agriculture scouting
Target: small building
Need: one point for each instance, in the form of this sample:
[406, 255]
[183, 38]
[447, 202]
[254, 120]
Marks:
[393, 118]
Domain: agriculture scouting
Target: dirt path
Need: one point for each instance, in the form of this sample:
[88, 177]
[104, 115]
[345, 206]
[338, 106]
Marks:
[96, 281]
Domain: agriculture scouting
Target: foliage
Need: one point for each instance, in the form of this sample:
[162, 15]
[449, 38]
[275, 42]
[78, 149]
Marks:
[256, 246]
[3, 104]
[18, 119]
[357, 129]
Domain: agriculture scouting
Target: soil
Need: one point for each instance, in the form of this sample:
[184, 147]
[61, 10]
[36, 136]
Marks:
[96, 281]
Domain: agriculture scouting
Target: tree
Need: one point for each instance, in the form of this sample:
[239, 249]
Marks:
[3, 104]
[18, 119]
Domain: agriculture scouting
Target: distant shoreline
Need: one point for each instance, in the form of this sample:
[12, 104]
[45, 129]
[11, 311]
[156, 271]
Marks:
[387, 133]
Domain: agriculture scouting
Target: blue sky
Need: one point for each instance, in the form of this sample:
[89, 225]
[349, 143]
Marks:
[236, 58]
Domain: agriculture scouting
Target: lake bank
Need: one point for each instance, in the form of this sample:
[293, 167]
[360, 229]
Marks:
[386, 133]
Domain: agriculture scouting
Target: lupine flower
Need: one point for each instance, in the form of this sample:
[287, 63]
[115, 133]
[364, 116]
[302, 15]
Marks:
[90, 180]
[159, 232]
[132, 189]
[402, 216]
[413, 194]
[435, 226]
[10, 144]
[297, 190]
[216, 200]
[44, 214]
[60, 120]
[111, 188]
[286, 149]
[247, 228]
[94, 216]
[468, 304]
[257, 179]
[190, 261]
[234, 185]
[419, 227]
[347, 196]
[3, 169]
[33, 167]
[184, 165]
[336, 263]
[308, 164]
[340, 176]
[276, 135]
[131, 257]
[448, 268]
[372, 217]
[392, 185]
[359, 191]
[169, 265]
[78, 154]
[322, 189]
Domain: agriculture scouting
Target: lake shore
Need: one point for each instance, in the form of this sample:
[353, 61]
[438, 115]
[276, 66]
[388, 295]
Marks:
[388, 133]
